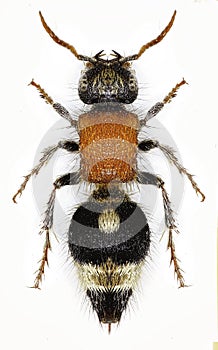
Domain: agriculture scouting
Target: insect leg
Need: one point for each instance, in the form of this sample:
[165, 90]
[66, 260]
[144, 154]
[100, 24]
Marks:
[147, 145]
[151, 179]
[68, 179]
[61, 110]
[154, 110]
[70, 146]
[45, 228]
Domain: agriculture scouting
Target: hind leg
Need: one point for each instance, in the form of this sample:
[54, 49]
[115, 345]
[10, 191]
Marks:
[151, 179]
[47, 223]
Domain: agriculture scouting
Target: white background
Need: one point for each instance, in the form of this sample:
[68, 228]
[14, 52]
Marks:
[162, 315]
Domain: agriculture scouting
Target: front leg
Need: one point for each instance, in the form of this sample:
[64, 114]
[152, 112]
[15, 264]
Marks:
[61, 110]
[154, 110]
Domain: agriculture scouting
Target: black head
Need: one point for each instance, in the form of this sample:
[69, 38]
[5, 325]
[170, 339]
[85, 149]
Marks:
[108, 81]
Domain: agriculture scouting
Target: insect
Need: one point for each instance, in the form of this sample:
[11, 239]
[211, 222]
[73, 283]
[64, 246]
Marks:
[109, 235]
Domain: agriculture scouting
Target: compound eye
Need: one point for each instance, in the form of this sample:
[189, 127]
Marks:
[89, 65]
[127, 65]
[132, 84]
[83, 84]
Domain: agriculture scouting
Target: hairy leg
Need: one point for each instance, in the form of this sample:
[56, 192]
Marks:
[151, 179]
[69, 146]
[147, 145]
[154, 110]
[61, 110]
[47, 223]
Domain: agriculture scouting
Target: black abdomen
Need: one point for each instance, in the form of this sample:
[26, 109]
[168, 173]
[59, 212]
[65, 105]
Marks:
[129, 243]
